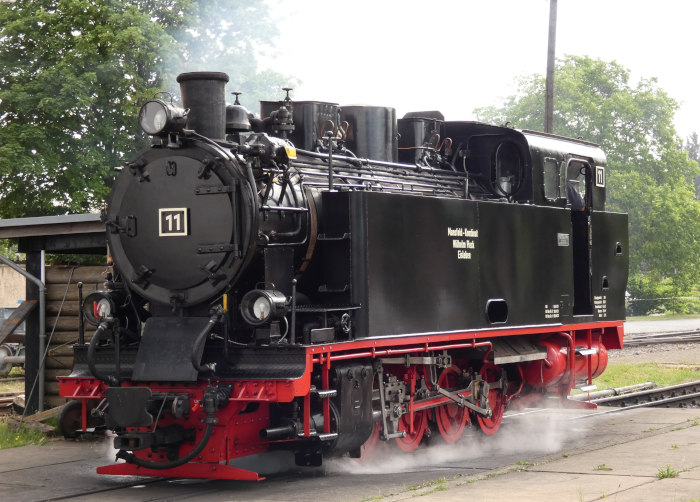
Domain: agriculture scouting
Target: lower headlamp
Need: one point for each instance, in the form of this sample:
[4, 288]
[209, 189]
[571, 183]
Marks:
[98, 306]
[260, 306]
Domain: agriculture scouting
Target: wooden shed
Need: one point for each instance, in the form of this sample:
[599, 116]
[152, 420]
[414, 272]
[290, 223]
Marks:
[71, 234]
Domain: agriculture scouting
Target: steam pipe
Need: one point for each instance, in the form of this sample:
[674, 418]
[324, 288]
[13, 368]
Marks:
[199, 340]
[360, 161]
[282, 432]
[13, 359]
[330, 162]
[96, 337]
[81, 316]
[133, 459]
[293, 327]
[42, 321]
[572, 359]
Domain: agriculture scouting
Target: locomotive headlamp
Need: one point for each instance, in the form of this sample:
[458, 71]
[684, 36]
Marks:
[98, 306]
[262, 305]
[159, 117]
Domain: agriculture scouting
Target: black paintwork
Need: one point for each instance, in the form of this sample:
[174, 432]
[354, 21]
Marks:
[422, 265]
[177, 336]
[354, 420]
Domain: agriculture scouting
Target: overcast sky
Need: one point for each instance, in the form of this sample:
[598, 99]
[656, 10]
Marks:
[457, 55]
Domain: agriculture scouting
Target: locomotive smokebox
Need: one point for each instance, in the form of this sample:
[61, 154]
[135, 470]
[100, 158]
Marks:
[204, 93]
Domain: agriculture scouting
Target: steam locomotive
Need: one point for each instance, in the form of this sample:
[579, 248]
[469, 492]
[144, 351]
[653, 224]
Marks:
[325, 277]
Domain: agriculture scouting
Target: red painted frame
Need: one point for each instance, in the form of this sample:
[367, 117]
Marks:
[232, 423]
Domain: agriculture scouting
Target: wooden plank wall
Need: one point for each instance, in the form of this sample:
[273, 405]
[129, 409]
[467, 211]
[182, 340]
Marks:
[62, 319]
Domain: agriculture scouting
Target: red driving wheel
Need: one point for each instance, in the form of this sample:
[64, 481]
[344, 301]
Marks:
[412, 440]
[451, 418]
[489, 425]
[369, 447]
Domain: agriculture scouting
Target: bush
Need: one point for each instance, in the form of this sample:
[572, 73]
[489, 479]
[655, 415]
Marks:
[659, 298]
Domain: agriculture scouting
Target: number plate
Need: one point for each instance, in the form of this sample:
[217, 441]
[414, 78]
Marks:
[172, 222]
[600, 176]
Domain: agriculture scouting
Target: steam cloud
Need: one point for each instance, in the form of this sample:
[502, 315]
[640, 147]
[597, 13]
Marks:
[541, 432]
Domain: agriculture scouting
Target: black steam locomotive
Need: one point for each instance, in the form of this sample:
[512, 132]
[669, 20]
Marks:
[325, 277]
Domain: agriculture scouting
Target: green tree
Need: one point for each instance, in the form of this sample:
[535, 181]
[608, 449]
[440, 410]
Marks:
[73, 74]
[649, 177]
[228, 36]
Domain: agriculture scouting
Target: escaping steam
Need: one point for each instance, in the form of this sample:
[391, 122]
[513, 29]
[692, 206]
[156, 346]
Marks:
[533, 433]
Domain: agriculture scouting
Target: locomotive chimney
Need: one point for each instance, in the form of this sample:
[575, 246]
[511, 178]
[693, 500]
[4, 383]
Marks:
[204, 94]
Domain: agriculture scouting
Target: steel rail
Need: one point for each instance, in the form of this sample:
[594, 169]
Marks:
[632, 340]
[670, 396]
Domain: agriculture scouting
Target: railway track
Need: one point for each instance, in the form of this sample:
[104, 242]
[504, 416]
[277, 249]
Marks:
[686, 395]
[636, 340]
[7, 398]
[11, 379]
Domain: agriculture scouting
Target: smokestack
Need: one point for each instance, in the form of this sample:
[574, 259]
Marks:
[204, 93]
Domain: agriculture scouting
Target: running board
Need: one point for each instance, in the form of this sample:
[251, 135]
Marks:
[516, 351]
[189, 470]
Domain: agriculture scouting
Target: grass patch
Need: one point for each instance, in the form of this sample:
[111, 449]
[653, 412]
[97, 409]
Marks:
[439, 488]
[667, 472]
[440, 482]
[11, 386]
[468, 481]
[428, 483]
[490, 475]
[524, 462]
[623, 374]
[602, 467]
[11, 439]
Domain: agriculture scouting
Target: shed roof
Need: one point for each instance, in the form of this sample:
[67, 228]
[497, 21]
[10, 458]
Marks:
[15, 228]
[67, 233]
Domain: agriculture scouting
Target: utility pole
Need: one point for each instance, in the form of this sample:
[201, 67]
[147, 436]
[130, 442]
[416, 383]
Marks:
[549, 86]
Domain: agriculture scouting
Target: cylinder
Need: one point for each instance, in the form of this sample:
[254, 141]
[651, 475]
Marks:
[204, 94]
[550, 371]
[371, 132]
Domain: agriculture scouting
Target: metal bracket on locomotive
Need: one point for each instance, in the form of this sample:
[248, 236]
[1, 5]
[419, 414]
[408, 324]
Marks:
[443, 360]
